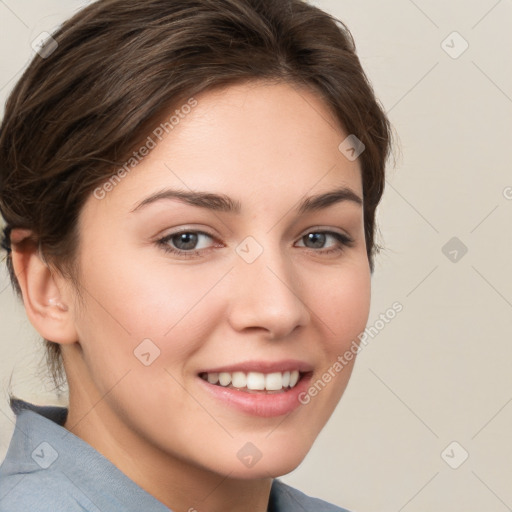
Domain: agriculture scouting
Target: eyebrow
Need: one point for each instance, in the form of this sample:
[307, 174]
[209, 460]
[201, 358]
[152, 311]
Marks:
[223, 203]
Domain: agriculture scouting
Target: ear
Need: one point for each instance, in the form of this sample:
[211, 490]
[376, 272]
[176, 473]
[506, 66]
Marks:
[46, 294]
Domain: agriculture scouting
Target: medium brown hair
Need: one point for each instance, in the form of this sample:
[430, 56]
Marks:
[79, 110]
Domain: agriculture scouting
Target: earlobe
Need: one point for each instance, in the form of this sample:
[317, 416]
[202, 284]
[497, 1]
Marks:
[44, 292]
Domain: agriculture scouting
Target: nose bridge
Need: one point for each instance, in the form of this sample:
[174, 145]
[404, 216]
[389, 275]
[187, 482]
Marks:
[266, 292]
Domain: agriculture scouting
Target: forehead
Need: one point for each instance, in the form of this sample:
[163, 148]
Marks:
[258, 142]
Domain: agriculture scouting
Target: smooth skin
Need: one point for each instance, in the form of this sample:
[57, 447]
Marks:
[267, 146]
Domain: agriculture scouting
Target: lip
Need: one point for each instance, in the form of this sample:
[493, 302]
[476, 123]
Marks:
[264, 405]
[287, 365]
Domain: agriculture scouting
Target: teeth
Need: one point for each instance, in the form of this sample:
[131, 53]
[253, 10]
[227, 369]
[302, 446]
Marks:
[213, 378]
[224, 378]
[254, 381]
[239, 380]
[274, 381]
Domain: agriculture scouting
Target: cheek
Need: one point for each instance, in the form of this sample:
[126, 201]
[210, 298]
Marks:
[341, 312]
[342, 306]
[128, 303]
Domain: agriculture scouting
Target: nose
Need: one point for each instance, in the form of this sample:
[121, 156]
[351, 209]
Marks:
[266, 296]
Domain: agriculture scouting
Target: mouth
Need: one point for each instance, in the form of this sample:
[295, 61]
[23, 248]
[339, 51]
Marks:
[255, 382]
[258, 388]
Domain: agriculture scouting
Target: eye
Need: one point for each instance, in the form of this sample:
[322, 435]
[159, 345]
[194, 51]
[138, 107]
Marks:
[190, 243]
[186, 243]
[318, 240]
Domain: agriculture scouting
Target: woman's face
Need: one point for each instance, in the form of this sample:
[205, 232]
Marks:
[257, 274]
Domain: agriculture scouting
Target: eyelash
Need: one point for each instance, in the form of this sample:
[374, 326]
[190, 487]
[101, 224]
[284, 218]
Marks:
[343, 240]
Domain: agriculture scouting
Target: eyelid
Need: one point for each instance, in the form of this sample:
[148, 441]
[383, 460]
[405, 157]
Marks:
[321, 227]
[317, 228]
[343, 242]
[328, 230]
[196, 231]
[185, 229]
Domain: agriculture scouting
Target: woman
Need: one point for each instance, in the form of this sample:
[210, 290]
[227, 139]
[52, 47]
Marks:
[189, 190]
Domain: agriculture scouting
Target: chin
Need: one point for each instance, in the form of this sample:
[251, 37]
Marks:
[268, 469]
[264, 458]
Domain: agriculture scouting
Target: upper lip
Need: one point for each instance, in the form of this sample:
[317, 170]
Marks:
[287, 365]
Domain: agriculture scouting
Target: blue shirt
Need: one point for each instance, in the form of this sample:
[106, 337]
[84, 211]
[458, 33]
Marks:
[49, 469]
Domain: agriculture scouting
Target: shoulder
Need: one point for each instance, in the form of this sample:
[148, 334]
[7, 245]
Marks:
[47, 468]
[42, 492]
[286, 499]
[36, 472]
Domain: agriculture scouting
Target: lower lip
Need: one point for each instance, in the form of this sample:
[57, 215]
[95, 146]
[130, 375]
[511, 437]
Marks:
[265, 405]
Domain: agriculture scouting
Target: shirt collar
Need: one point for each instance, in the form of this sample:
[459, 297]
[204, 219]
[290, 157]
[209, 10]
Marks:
[42, 446]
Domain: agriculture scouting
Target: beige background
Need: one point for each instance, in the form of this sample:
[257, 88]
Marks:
[440, 371]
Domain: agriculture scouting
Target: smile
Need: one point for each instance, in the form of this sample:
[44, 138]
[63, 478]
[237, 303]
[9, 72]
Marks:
[254, 381]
